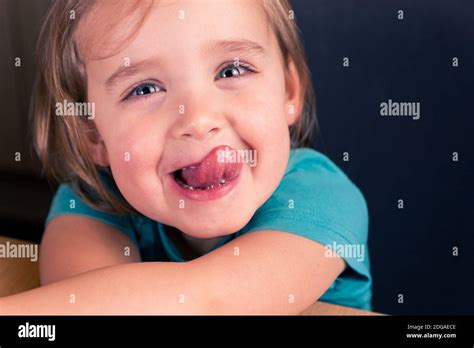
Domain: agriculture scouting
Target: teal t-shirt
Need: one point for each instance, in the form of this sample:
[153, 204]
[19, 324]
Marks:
[315, 199]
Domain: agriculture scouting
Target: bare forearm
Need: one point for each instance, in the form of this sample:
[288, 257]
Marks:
[134, 288]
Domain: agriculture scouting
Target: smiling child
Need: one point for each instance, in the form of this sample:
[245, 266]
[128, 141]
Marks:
[197, 160]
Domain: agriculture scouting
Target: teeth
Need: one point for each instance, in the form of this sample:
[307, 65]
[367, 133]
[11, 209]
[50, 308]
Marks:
[192, 188]
[187, 168]
[210, 187]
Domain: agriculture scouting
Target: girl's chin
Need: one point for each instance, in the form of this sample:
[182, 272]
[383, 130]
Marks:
[203, 232]
[206, 230]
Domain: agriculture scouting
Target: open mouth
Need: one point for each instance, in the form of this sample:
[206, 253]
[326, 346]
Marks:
[180, 177]
[207, 175]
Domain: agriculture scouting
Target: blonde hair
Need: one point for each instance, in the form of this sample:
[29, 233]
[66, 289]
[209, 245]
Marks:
[61, 142]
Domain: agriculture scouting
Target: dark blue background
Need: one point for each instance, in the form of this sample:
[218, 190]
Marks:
[407, 60]
[393, 158]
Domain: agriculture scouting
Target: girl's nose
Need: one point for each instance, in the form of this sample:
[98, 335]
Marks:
[199, 130]
[199, 123]
[202, 111]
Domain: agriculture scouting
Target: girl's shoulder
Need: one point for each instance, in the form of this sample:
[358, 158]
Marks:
[67, 201]
[322, 189]
[317, 200]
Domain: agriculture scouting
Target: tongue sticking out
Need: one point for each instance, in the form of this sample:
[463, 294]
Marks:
[210, 172]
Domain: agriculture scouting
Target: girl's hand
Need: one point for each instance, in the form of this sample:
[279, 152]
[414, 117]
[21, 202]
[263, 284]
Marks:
[263, 272]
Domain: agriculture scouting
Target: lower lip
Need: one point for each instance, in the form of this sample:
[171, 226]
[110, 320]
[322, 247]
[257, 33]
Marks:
[204, 195]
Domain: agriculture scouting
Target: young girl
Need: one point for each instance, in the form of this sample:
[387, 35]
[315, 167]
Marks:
[180, 131]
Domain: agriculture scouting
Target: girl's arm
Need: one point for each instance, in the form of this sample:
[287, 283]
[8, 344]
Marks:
[264, 272]
[73, 244]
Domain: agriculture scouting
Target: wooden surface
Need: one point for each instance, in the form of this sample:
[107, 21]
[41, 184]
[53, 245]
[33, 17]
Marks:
[17, 274]
[323, 308]
[21, 274]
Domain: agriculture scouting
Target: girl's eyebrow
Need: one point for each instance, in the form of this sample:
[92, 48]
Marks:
[234, 46]
[130, 70]
[241, 45]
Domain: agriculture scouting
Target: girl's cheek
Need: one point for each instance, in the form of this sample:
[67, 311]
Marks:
[132, 152]
[270, 121]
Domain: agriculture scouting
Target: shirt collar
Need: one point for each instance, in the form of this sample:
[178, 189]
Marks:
[173, 253]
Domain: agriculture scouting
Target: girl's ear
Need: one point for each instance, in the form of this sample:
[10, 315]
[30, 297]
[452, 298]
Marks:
[96, 147]
[293, 93]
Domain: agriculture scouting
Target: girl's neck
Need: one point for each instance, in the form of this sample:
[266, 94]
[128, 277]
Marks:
[190, 247]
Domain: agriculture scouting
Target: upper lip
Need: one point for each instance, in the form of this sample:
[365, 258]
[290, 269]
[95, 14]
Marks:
[184, 160]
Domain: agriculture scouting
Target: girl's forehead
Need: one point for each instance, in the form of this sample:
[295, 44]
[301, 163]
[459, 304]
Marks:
[146, 25]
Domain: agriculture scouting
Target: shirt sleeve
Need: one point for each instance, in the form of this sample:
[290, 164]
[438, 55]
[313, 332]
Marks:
[315, 199]
[66, 201]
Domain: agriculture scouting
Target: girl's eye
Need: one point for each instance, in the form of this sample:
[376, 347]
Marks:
[235, 70]
[143, 90]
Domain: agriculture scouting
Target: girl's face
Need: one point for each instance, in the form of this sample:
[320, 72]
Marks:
[197, 75]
